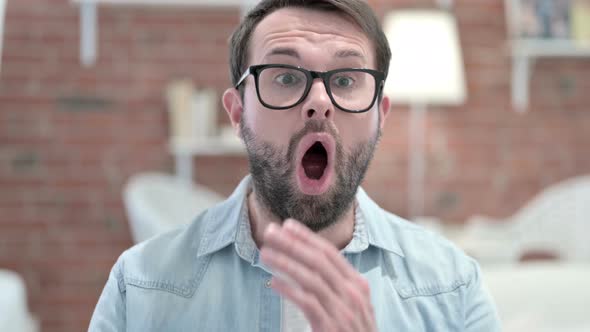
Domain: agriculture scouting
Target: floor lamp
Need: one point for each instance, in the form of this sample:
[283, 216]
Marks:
[426, 69]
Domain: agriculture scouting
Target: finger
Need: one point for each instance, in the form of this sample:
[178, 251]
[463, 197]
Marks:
[362, 292]
[353, 290]
[316, 314]
[353, 310]
[309, 305]
[320, 245]
[286, 243]
[300, 276]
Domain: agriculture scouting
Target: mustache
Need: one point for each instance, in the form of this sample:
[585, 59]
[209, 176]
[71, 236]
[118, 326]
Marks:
[314, 126]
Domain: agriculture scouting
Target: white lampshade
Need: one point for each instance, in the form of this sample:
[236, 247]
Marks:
[426, 65]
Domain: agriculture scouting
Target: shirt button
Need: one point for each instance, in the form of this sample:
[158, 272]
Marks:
[267, 283]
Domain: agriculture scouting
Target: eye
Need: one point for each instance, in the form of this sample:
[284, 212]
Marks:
[287, 79]
[343, 81]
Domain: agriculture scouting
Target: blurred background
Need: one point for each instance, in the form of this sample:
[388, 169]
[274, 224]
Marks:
[111, 130]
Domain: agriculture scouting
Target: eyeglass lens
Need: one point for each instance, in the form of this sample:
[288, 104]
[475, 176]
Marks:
[284, 87]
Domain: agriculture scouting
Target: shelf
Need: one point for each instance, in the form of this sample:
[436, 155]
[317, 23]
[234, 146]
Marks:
[208, 147]
[193, 3]
[89, 17]
[551, 21]
[549, 48]
[526, 51]
[184, 151]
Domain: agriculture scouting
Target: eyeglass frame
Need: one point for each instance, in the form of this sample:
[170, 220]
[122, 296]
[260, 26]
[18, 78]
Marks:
[311, 76]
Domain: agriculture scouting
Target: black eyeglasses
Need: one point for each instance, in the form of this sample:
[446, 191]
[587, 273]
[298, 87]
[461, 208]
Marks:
[281, 86]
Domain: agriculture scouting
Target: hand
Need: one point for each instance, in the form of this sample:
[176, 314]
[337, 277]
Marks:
[317, 278]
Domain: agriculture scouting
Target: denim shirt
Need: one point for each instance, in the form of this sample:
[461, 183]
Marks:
[207, 276]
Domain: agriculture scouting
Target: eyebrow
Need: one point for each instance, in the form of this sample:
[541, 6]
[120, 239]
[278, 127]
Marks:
[348, 53]
[284, 51]
[292, 52]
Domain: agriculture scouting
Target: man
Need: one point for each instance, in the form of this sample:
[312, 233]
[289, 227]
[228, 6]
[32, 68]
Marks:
[299, 246]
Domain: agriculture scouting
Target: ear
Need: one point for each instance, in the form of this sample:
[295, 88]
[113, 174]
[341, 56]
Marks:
[384, 107]
[232, 102]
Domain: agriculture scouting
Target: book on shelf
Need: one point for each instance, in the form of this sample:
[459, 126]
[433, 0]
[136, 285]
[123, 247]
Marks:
[580, 22]
[540, 19]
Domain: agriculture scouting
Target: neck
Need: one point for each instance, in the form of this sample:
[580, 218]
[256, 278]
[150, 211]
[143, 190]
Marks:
[339, 233]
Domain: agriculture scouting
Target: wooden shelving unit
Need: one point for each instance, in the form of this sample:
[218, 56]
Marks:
[89, 17]
[524, 51]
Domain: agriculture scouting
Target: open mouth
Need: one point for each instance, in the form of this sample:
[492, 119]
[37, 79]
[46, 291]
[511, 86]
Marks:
[314, 161]
[315, 169]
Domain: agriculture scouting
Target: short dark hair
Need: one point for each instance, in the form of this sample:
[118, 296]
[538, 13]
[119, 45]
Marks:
[358, 10]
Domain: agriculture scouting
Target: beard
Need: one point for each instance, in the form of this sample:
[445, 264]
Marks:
[273, 175]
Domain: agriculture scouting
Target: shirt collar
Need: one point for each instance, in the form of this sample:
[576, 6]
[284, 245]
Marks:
[382, 228]
[228, 223]
[222, 220]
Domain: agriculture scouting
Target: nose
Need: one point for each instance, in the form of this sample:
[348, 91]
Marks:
[317, 105]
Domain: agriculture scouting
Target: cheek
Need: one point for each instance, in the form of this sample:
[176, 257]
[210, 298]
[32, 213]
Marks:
[273, 126]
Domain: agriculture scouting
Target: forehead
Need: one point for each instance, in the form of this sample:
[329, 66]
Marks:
[309, 31]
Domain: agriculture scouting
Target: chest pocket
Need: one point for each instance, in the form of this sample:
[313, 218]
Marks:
[407, 291]
[432, 307]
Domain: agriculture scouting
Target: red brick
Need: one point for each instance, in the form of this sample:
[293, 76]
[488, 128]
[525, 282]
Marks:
[62, 221]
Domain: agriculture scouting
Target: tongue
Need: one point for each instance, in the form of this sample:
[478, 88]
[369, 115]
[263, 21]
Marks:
[314, 164]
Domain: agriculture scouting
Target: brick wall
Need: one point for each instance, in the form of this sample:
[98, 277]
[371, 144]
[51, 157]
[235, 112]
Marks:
[70, 136]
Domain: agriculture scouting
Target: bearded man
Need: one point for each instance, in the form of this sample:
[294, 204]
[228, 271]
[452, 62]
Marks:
[299, 245]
